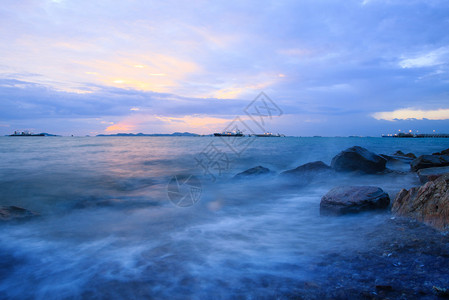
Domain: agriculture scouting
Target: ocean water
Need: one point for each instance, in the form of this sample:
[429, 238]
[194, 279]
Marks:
[107, 228]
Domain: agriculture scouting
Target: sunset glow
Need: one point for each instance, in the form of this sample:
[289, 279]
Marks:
[179, 59]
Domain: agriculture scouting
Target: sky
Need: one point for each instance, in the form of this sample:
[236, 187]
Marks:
[334, 68]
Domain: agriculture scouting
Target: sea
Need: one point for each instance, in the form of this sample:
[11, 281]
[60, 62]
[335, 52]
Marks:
[164, 218]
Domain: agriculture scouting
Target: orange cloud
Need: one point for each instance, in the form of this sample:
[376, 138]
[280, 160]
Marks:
[152, 72]
[120, 127]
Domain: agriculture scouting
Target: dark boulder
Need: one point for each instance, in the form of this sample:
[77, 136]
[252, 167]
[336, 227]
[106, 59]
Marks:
[444, 152]
[429, 161]
[358, 159]
[430, 174]
[8, 213]
[353, 199]
[253, 172]
[428, 204]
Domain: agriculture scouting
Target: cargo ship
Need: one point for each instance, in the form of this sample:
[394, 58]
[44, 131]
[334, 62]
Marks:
[269, 134]
[229, 133]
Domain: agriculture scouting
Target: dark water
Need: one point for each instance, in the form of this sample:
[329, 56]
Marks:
[108, 230]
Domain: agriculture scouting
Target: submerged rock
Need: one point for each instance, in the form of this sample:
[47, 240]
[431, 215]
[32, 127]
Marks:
[8, 213]
[429, 174]
[396, 159]
[400, 153]
[429, 161]
[444, 152]
[256, 171]
[353, 199]
[308, 168]
[358, 159]
[441, 292]
[316, 171]
[428, 203]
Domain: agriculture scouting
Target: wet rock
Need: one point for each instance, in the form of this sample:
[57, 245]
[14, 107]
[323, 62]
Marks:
[303, 175]
[358, 159]
[441, 292]
[428, 203]
[444, 152]
[353, 199]
[400, 153]
[316, 167]
[429, 174]
[256, 171]
[396, 159]
[429, 161]
[8, 213]
[383, 287]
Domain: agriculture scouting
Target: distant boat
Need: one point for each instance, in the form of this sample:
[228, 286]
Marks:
[269, 134]
[26, 133]
[229, 133]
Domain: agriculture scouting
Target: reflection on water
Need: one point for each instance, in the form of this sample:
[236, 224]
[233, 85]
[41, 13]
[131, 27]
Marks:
[108, 230]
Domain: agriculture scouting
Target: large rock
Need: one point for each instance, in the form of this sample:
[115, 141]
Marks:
[8, 213]
[358, 159]
[253, 172]
[428, 203]
[429, 174]
[429, 161]
[353, 199]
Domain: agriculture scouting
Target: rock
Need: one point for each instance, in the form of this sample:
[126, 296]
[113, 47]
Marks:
[444, 152]
[441, 292]
[358, 159]
[429, 174]
[256, 171]
[308, 168]
[384, 287]
[314, 171]
[395, 159]
[8, 213]
[400, 153]
[353, 199]
[428, 204]
[429, 161]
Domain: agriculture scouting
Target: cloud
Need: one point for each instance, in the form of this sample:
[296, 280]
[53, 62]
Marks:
[408, 113]
[120, 128]
[331, 61]
[429, 59]
[197, 121]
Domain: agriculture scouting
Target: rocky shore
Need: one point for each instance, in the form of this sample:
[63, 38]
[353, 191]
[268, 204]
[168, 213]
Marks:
[401, 259]
[406, 257]
[428, 203]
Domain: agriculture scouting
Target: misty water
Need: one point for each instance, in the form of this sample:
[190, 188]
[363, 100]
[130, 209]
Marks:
[107, 228]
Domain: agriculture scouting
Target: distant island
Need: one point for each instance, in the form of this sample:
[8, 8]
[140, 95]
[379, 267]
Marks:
[27, 133]
[151, 134]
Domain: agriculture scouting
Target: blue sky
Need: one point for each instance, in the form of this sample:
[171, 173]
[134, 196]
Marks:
[355, 67]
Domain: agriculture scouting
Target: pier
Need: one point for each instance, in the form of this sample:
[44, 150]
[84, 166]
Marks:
[420, 135]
